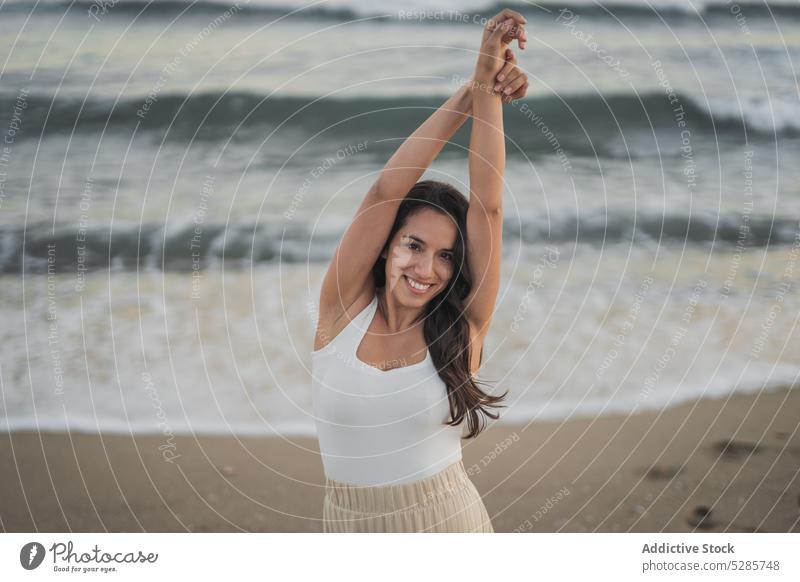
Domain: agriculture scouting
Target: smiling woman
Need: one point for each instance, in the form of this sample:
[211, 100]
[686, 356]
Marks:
[427, 247]
[399, 289]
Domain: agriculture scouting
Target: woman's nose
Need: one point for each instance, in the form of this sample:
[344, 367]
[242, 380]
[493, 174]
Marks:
[424, 267]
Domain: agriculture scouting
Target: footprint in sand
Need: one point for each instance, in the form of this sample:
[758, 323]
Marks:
[700, 518]
[657, 472]
[731, 449]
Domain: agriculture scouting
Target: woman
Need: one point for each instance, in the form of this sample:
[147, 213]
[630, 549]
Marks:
[404, 308]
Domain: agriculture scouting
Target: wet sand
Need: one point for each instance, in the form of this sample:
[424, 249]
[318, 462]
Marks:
[709, 465]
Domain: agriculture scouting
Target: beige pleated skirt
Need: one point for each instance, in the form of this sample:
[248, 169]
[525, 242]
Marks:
[445, 502]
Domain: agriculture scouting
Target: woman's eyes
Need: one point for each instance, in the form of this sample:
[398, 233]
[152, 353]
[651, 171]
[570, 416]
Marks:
[415, 246]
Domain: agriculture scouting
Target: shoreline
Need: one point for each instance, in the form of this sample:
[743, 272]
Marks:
[649, 472]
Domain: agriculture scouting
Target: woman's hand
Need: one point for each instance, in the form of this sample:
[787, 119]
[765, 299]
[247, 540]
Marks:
[511, 82]
[497, 34]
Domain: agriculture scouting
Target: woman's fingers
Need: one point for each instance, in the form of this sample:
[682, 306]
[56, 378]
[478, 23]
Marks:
[509, 74]
[511, 62]
[518, 32]
[518, 94]
[502, 30]
[506, 16]
[514, 80]
[498, 33]
[505, 30]
[515, 84]
[510, 78]
[507, 13]
[517, 26]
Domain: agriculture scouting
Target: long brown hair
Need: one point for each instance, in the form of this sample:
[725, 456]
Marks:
[445, 328]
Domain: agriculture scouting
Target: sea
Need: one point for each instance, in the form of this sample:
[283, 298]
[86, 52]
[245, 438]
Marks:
[175, 175]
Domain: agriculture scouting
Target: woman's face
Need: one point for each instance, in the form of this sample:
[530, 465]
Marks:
[421, 254]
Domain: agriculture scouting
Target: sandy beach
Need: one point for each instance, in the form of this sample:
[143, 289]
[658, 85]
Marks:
[708, 465]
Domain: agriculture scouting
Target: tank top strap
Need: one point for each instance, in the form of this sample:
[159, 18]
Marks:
[350, 337]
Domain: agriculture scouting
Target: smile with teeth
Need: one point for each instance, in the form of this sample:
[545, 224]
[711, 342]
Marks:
[417, 286]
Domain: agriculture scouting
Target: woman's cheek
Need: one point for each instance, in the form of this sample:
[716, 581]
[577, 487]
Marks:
[448, 273]
[401, 257]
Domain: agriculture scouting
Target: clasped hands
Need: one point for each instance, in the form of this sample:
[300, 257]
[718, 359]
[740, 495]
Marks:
[496, 69]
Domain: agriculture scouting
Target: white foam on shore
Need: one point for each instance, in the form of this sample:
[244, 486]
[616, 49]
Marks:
[585, 332]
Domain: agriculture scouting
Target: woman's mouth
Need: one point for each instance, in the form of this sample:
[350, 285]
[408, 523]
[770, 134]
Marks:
[415, 286]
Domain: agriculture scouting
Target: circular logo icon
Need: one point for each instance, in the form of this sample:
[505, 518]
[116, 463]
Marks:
[31, 555]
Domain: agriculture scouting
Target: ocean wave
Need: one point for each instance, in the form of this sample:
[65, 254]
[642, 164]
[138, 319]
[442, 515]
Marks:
[729, 230]
[389, 11]
[582, 122]
[165, 8]
[667, 11]
[181, 248]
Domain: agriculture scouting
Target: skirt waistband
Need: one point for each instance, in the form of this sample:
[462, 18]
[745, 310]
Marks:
[391, 498]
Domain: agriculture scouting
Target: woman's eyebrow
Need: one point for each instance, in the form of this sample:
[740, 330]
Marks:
[419, 240]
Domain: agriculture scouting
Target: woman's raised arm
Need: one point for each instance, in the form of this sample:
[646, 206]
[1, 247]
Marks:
[350, 269]
[487, 158]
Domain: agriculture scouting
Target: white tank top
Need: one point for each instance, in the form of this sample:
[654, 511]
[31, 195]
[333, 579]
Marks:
[379, 427]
